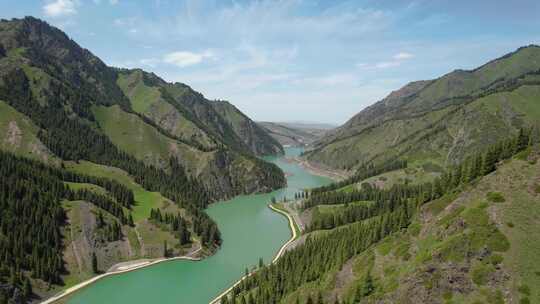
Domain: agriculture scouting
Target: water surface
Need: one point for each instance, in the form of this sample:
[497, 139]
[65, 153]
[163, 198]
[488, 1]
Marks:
[249, 229]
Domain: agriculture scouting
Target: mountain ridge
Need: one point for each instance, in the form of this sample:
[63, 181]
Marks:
[129, 160]
[431, 104]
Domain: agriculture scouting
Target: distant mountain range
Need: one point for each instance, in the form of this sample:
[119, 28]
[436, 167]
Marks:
[296, 133]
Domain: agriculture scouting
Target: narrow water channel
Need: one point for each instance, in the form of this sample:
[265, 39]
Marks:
[250, 230]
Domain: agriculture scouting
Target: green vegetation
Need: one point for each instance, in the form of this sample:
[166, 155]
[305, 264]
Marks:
[178, 226]
[496, 197]
[62, 105]
[31, 237]
[140, 95]
[280, 207]
[144, 201]
[434, 123]
[462, 234]
[19, 135]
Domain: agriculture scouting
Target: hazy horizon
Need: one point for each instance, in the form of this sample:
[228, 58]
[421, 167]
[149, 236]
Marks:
[292, 60]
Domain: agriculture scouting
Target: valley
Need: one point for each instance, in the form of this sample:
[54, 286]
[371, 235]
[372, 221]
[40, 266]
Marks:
[295, 134]
[126, 185]
[250, 230]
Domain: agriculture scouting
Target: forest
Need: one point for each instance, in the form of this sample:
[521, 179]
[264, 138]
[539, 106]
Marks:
[359, 227]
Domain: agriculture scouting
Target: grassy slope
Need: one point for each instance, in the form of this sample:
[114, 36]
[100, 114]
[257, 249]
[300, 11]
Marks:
[442, 136]
[424, 126]
[148, 101]
[254, 136]
[152, 236]
[129, 133]
[414, 176]
[19, 135]
[144, 200]
[441, 257]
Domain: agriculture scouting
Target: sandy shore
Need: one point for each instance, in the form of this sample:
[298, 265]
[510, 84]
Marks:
[119, 269]
[278, 255]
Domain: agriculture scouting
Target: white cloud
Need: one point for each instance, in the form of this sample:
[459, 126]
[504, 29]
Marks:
[387, 64]
[403, 56]
[184, 59]
[59, 8]
[396, 61]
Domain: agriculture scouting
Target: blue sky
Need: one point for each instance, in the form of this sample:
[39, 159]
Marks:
[293, 60]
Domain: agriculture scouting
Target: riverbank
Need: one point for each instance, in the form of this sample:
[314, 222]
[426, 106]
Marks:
[336, 175]
[120, 269]
[295, 230]
[250, 230]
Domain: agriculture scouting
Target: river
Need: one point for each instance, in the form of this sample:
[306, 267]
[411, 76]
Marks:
[250, 230]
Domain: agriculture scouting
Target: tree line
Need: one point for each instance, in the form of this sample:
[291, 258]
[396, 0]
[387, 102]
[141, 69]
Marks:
[391, 211]
[175, 223]
[109, 231]
[363, 172]
[72, 137]
[31, 219]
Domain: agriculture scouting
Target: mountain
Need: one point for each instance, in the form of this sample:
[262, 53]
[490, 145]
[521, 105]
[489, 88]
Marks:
[469, 235]
[117, 163]
[137, 111]
[442, 206]
[256, 138]
[439, 121]
[295, 134]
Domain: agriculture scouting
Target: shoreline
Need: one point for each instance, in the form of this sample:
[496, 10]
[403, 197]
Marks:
[333, 174]
[278, 254]
[133, 265]
[121, 269]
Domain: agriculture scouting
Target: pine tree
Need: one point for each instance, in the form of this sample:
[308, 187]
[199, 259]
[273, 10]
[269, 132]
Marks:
[165, 250]
[94, 263]
[368, 286]
[27, 289]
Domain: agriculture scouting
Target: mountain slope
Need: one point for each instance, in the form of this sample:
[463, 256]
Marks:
[186, 114]
[441, 120]
[51, 70]
[293, 134]
[469, 236]
[253, 136]
[129, 162]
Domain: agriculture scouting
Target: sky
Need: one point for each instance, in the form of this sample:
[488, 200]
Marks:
[292, 60]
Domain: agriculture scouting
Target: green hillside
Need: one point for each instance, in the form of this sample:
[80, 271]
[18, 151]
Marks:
[19, 135]
[253, 136]
[441, 120]
[109, 149]
[441, 199]
[468, 236]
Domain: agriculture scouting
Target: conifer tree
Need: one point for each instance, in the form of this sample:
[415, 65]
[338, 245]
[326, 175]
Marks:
[94, 263]
[165, 250]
